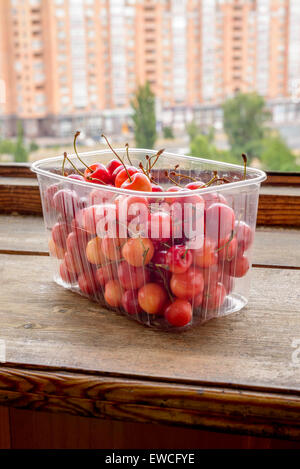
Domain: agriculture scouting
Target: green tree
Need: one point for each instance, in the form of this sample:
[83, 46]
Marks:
[144, 118]
[20, 153]
[202, 147]
[168, 132]
[277, 156]
[245, 119]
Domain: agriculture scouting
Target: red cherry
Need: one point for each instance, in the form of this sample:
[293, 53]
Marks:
[160, 226]
[98, 174]
[239, 267]
[132, 278]
[206, 256]
[66, 276]
[60, 233]
[227, 249]
[48, 197]
[152, 298]
[77, 177]
[245, 236]
[138, 182]
[106, 273]
[122, 175]
[100, 196]
[179, 313]
[116, 172]
[188, 284]
[215, 297]
[195, 185]
[179, 259]
[130, 302]
[111, 166]
[66, 202]
[212, 198]
[157, 188]
[160, 257]
[88, 283]
[113, 293]
[219, 221]
[171, 200]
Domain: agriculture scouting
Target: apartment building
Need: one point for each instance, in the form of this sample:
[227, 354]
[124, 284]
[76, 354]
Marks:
[70, 63]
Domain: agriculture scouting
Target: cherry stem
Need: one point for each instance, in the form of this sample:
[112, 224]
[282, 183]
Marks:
[63, 164]
[75, 149]
[158, 154]
[127, 153]
[72, 164]
[244, 156]
[144, 171]
[116, 154]
[213, 179]
[172, 180]
[183, 176]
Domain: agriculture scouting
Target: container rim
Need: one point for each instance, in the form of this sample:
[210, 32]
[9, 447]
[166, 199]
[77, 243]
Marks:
[260, 175]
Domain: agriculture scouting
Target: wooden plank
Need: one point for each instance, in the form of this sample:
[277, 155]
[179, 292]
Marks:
[20, 195]
[5, 442]
[48, 326]
[16, 170]
[259, 413]
[41, 430]
[272, 246]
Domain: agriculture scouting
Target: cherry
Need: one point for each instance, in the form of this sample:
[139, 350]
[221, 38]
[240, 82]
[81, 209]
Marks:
[67, 277]
[179, 313]
[48, 197]
[160, 257]
[66, 202]
[227, 248]
[100, 196]
[171, 200]
[111, 166]
[130, 302]
[152, 298]
[179, 259]
[195, 185]
[116, 172]
[98, 174]
[215, 297]
[122, 175]
[111, 247]
[239, 267]
[206, 256]
[113, 293]
[160, 226]
[76, 243]
[132, 278]
[60, 232]
[214, 197]
[95, 213]
[105, 273]
[228, 282]
[138, 251]
[88, 283]
[157, 188]
[244, 235]
[94, 252]
[55, 251]
[188, 284]
[77, 177]
[219, 221]
[138, 182]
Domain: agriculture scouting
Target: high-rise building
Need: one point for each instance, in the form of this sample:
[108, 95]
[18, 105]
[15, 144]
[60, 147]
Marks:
[71, 62]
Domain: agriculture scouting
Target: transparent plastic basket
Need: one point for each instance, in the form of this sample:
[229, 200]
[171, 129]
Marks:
[139, 253]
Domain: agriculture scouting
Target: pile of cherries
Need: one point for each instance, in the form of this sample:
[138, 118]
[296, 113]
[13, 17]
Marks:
[157, 279]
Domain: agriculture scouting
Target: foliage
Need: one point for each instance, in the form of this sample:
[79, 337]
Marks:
[276, 155]
[144, 118]
[203, 148]
[245, 120]
[168, 132]
[20, 153]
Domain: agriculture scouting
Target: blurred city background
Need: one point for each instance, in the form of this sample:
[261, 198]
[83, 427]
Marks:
[212, 78]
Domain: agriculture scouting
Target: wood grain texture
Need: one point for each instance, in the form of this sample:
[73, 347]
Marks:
[27, 235]
[40, 430]
[275, 208]
[220, 409]
[19, 170]
[48, 326]
[5, 442]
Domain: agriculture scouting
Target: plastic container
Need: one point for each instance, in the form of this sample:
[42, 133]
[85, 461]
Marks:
[168, 260]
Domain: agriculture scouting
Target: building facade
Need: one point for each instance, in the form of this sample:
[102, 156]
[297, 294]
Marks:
[70, 63]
